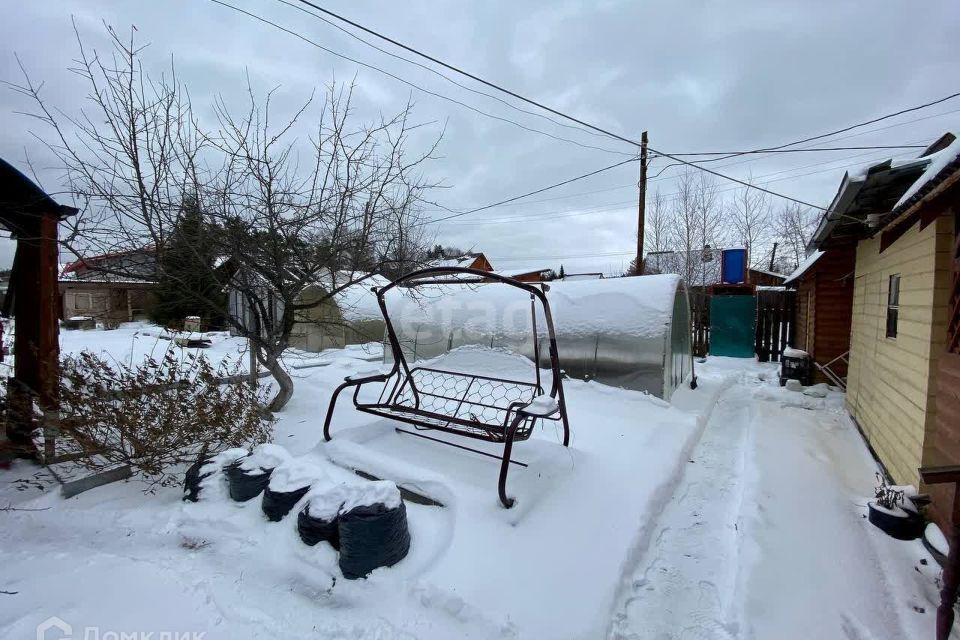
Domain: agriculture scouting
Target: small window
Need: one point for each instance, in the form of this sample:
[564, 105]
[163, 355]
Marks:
[893, 305]
[81, 301]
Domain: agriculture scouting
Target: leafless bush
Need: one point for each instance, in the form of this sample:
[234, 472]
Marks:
[155, 415]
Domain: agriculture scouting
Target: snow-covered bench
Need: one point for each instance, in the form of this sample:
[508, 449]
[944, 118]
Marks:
[474, 406]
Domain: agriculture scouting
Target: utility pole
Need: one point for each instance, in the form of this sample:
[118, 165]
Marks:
[642, 204]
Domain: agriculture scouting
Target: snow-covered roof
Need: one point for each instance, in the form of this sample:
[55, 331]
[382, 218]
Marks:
[571, 277]
[456, 261]
[808, 262]
[521, 270]
[939, 161]
[879, 188]
[700, 266]
[768, 273]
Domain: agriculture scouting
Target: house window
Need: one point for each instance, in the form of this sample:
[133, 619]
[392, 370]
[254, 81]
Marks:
[893, 305]
[82, 301]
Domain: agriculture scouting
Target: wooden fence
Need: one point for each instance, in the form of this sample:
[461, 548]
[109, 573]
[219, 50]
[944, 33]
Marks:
[700, 325]
[774, 329]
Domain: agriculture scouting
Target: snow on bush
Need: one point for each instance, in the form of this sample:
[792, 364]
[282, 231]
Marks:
[155, 415]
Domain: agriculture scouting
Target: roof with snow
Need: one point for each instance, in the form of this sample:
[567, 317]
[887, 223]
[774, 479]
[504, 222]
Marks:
[700, 266]
[879, 189]
[133, 266]
[943, 164]
[522, 270]
[466, 260]
[804, 266]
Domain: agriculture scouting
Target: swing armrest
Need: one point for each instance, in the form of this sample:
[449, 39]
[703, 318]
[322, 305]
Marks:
[364, 377]
[541, 406]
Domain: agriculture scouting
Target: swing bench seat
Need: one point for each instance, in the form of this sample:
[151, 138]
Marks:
[497, 410]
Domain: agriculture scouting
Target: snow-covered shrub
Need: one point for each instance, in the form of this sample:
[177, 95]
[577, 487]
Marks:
[156, 415]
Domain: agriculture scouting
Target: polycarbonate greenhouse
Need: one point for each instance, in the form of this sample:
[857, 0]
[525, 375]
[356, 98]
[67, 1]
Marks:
[627, 332]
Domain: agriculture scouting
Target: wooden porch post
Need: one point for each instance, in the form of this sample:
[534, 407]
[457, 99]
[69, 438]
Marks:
[36, 368]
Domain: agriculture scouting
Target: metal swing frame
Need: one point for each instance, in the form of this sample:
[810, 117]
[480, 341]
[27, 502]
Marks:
[474, 406]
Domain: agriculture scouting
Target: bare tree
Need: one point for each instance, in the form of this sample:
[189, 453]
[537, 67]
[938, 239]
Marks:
[697, 228]
[130, 158]
[656, 232]
[285, 214]
[686, 237]
[658, 224]
[750, 218]
[350, 214]
[794, 225]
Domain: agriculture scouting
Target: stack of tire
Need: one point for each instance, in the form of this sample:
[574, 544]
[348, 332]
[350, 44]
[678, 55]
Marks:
[250, 475]
[366, 523]
[207, 473]
[288, 483]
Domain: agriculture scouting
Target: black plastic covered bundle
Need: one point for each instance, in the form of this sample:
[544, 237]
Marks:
[192, 479]
[277, 504]
[246, 485]
[313, 530]
[372, 536]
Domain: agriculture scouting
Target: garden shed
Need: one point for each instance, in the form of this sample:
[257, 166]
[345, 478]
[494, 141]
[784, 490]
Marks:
[627, 332]
[351, 316]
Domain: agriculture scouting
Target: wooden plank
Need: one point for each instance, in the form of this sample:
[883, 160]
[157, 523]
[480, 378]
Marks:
[74, 479]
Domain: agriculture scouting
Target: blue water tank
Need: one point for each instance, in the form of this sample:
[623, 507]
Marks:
[733, 266]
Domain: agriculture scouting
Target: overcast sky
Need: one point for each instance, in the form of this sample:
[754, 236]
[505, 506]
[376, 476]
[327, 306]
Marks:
[700, 76]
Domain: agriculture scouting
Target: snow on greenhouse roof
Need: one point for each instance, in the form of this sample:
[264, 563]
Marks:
[358, 302]
[640, 306]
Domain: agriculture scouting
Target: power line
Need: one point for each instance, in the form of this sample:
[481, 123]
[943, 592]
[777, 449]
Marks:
[778, 148]
[846, 137]
[441, 75]
[858, 125]
[621, 206]
[600, 129]
[559, 113]
[530, 193]
[616, 206]
[657, 178]
[738, 181]
[804, 150]
[468, 74]
[417, 87]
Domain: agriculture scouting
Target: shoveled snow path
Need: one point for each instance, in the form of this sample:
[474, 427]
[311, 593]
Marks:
[683, 584]
[766, 536]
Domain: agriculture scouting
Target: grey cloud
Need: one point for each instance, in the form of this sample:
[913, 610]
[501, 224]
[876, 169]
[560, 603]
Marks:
[699, 75]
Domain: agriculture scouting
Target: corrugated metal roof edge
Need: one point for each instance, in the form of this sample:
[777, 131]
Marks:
[930, 185]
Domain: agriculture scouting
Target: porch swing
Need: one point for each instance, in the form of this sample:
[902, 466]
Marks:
[471, 405]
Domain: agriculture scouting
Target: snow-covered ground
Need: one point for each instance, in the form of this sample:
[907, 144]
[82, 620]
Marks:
[736, 511]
